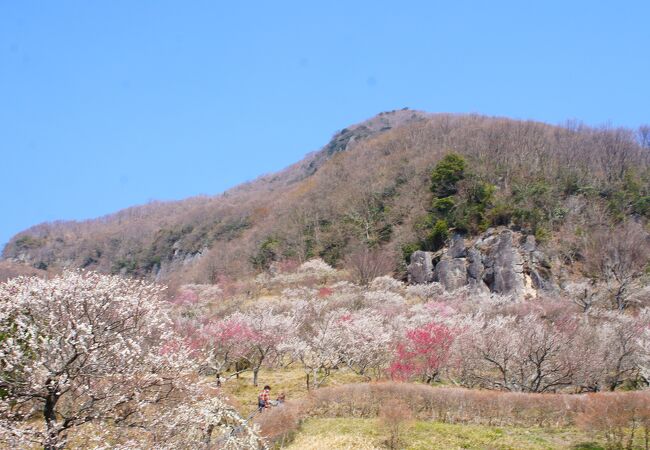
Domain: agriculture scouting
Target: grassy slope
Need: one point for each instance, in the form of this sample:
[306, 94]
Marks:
[346, 433]
[354, 433]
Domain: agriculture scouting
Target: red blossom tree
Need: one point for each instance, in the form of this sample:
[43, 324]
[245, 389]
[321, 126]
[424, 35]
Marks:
[424, 352]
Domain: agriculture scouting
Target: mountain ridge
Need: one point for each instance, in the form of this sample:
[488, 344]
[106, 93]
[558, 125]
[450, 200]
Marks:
[19, 247]
[368, 187]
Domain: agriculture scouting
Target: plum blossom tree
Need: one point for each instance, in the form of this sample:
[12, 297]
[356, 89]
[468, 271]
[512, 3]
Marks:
[523, 354]
[316, 344]
[643, 343]
[223, 344]
[210, 423]
[266, 331]
[424, 352]
[606, 350]
[365, 343]
[84, 347]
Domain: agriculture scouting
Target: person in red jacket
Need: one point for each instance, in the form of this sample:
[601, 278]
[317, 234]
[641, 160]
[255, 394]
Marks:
[264, 398]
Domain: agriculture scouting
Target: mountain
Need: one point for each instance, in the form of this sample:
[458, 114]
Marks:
[377, 187]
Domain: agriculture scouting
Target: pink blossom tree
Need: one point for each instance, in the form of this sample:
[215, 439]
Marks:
[266, 330]
[225, 343]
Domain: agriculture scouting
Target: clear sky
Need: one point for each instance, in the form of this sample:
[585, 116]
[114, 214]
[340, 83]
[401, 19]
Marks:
[107, 104]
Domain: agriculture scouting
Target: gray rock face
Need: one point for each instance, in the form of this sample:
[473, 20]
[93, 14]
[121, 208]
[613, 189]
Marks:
[451, 273]
[420, 270]
[500, 261]
[457, 247]
[475, 268]
[539, 268]
[504, 264]
[530, 244]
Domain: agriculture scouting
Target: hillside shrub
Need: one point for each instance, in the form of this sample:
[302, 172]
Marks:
[28, 242]
[446, 175]
[268, 252]
[408, 249]
[437, 236]
[623, 418]
[450, 405]
[394, 417]
[367, 264]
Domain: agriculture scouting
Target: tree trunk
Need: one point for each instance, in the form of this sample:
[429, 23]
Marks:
[255, 372]
[207, 437]
[52, 439]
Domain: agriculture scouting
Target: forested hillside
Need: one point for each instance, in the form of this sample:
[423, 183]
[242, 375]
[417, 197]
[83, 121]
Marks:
[379, 190]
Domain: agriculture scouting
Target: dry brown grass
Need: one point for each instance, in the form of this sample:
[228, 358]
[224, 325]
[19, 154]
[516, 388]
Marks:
[281, 423]
[623, 416]
[451, 405]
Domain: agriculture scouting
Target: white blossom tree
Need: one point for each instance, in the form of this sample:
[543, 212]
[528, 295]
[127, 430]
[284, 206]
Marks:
[83, 347]
[523, 354]
[316, 344]
[210, 423]
[606, 350]
[643, 342]
[365, 343]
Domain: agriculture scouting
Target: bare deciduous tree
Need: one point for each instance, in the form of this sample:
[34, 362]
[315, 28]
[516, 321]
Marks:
[366, 264]
[617, 258]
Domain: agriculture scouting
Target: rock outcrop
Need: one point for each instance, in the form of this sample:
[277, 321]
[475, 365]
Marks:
[500, 261]
[421, 268]
[451, 273]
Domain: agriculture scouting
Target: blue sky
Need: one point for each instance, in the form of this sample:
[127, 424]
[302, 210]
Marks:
[107, 104]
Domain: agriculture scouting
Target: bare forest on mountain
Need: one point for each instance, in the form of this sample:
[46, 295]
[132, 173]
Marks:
[368, 194]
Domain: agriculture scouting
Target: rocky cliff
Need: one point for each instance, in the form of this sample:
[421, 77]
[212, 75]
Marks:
[500, 260]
